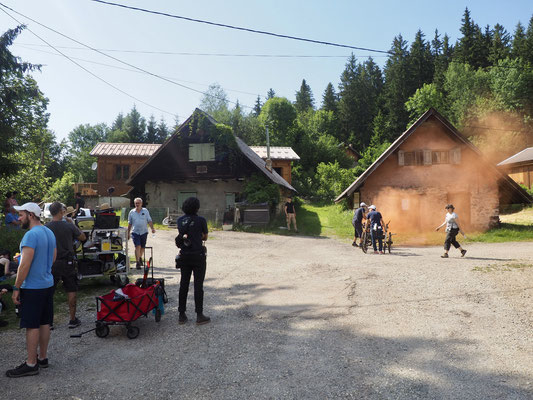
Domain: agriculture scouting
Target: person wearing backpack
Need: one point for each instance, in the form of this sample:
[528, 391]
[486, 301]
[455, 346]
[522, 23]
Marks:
[192, 259]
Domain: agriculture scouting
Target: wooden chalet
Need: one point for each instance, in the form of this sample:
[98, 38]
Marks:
[204, 160]
[520, 167]
[281, 157]
[430, 165]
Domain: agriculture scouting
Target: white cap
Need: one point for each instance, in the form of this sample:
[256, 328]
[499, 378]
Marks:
[372, 207]
[363, 204]
[29, 207]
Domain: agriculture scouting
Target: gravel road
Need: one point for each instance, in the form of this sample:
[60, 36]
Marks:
[296, 317]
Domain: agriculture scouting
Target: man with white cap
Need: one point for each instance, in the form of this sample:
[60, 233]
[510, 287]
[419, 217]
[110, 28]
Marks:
[357, 222]
[377, 228]
[34, 289]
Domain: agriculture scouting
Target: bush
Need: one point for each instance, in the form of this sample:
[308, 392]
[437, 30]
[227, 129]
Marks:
[10, 239]
[259, 189]
[62, 190]
[332, 180]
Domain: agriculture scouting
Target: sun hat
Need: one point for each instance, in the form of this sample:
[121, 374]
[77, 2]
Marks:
[30, 207]
[104, 206]
[70, 210]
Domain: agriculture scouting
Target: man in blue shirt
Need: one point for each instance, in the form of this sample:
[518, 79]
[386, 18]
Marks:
[33, 290]
[139, 218]
[12, 219]
[357, 222]
[377, 228]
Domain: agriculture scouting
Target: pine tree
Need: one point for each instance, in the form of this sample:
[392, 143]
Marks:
[500, 46]
[118, 124]
[271, 94]
[420, 62]
[529, 43]
[442, 58]
[519, 46]
[304, 98]
[257, 106]
[151, 130]
[135, 126]
[162, 131]
[329, 99]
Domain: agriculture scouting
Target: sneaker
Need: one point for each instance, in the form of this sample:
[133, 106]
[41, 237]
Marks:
[42, 363]
[23, 370]
[201, 319]
[375, 252]
[74, 323]
[463, 252]
[354, 244]
[445, 255]
[381, 252]
[3, 323]
[182, 318]
[138, 265]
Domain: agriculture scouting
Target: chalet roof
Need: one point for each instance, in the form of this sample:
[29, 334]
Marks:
[124, 149]
[508, 182]
[520, 157]
[276, 152]
[256, 161]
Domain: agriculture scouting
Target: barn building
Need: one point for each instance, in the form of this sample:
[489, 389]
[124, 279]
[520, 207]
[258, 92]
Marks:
[202, 159]
[430, 165]
[520, 167]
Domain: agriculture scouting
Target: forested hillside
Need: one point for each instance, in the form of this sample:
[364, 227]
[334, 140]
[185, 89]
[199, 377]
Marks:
[483, 83]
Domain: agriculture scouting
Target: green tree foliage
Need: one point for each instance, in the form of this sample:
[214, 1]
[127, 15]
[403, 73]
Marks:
[259, 189]
[163, 131]
[332, 180]
[329, 99]
[215, 102]
[271, 94]
[304, 98]
[279, 115]
[424, 98]
[257, 106]
[151, 130]
[135, 126]
[30, 181]
[500, 47]
[82, 139]
[420, 61]
[62, 190]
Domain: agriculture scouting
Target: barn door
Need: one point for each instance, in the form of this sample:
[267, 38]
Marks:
[461, 202]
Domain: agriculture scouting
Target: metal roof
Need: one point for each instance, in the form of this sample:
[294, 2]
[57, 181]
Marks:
[276, 152]
[522, 156]
[124, 149]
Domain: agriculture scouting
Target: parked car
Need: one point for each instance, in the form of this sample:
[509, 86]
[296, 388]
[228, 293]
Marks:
[46, 215]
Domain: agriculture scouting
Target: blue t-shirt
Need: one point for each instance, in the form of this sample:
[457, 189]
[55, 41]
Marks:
[43, 242]
[10, 217]
[139, 221]
[375, 218]
[197, 226]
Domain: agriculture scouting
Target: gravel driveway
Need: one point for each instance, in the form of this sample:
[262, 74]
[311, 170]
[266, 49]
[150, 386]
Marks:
[311, 318]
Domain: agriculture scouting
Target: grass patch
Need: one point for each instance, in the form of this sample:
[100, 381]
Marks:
[503, 267]
[506, 233]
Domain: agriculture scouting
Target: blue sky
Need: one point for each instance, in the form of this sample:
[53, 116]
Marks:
[76, 97]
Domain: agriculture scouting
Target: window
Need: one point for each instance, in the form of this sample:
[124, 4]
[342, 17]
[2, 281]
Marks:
[413, 157]
[201, 152]
[440, 157]
[122, 172]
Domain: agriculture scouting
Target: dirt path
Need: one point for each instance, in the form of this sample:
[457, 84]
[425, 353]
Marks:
[312, 318]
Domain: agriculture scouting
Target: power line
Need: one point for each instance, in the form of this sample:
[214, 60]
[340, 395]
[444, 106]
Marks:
[88, 71]
[129, 69]
[240, 28]
[206, 54]
[118, 60]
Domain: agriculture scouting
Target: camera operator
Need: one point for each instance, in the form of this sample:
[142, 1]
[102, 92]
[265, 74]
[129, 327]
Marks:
[192, 258]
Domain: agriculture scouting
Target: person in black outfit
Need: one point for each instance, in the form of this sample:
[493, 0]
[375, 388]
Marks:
[192, 259]
[357, 222]
[290, 214]
[79, 204]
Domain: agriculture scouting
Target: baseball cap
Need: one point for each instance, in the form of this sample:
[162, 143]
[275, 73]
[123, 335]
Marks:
[373, 207]
[30, 207]
[363, 204]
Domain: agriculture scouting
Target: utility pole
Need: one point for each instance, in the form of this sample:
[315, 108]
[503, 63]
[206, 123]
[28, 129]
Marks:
[268, 163]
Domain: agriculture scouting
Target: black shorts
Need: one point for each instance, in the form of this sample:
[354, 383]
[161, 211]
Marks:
[358, 228]
[67, 272]
[36, 307]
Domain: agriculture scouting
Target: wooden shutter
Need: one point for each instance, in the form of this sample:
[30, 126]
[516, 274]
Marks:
[401, 160]
[208, 153]
[193, 152]
[427, 157]
[455, 155]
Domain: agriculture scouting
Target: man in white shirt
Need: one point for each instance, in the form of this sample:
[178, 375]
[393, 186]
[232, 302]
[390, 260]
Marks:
[138, 219]
[452, 229]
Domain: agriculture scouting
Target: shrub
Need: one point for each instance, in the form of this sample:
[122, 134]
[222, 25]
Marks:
[259, 189]
[10, 239]
[62, 190]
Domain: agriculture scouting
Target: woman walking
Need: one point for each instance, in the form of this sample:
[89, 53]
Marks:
[452, 229]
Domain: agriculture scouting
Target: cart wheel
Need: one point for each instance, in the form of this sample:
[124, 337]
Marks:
[157, 315]
[121, 280]
[165, 297]
[364, 242]
[112, 278]
[390, 242]
[165, 221]
[102, 330]
[132, 332]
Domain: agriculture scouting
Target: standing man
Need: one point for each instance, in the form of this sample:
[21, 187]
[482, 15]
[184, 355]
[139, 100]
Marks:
[377, 228]
[65, 266]
[34, 289]
[452, 229]
[139, 218]
[357, 222]
[290, 214]
[79, 203]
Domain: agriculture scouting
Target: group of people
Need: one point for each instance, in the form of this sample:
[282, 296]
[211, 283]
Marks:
[373, 220]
